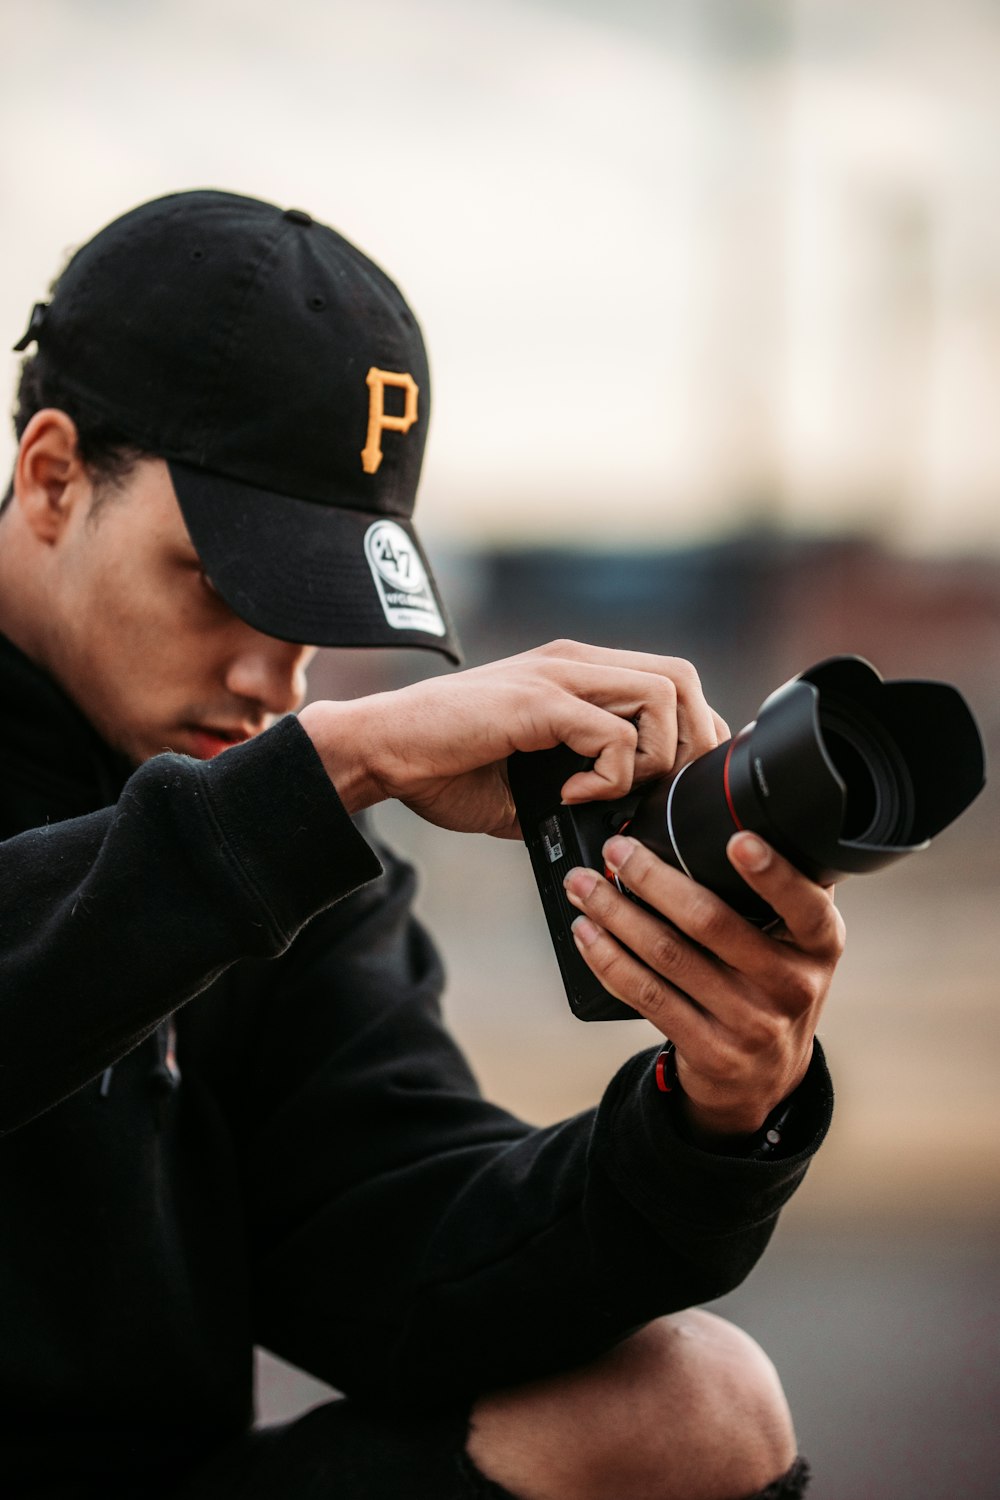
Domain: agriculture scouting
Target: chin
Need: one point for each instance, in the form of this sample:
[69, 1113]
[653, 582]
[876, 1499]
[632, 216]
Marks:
[139, 747]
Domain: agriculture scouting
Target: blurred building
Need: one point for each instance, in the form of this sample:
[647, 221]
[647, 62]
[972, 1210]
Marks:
[685, 265]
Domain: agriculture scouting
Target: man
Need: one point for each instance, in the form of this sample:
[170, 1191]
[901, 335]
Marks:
[231, 1113]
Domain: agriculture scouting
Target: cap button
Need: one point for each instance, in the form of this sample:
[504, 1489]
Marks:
[297, 216]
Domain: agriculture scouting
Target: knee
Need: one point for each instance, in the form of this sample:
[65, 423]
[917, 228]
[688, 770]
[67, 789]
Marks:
[732, 1433]
[687, 1408]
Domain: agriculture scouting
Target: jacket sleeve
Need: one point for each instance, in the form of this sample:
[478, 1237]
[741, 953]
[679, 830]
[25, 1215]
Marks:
[412, 1242]
[109, 922]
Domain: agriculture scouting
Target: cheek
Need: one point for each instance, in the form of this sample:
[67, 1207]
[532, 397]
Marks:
[155, 612]
[147, 646]
[132, 634]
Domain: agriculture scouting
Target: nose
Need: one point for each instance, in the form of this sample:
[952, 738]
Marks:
[268, 672]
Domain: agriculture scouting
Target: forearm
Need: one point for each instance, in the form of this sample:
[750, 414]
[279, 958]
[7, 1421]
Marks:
[111, 921]
[651, 1225]
[510, 1252]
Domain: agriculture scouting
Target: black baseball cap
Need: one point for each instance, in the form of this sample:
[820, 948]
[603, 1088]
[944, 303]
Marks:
[283, 378]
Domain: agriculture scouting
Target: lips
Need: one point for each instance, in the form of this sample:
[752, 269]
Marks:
[209, 740]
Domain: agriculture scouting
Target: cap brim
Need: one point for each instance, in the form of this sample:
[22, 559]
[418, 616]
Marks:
[318, 574]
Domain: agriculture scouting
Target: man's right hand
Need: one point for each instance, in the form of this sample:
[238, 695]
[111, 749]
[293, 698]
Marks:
[441, 746]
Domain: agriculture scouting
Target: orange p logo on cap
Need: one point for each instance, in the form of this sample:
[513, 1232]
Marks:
[378, 422]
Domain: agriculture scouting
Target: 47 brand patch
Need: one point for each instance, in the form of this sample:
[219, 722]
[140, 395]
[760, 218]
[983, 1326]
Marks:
[401, 579]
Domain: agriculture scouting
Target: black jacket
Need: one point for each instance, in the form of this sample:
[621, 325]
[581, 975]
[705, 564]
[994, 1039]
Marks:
[323, 1177]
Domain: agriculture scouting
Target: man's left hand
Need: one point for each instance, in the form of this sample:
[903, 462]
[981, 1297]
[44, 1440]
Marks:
[741, 1005]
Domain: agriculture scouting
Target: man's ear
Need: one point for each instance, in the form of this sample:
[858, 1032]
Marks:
[50, 478]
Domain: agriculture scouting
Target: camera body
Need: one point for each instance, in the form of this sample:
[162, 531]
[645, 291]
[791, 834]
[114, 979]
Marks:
[558, 839]
[841, 772]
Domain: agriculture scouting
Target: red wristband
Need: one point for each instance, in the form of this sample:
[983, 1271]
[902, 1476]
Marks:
[665, 1069]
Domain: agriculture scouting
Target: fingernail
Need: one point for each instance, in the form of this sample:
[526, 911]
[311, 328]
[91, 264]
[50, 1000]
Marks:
[579, 883]
[751, 852]
[616, 851]
[584, 931]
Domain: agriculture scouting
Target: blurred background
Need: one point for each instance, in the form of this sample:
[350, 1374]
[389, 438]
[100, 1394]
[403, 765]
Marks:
[712, 292]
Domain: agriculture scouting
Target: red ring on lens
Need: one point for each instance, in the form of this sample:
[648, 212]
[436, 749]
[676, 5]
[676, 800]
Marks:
[725, 785]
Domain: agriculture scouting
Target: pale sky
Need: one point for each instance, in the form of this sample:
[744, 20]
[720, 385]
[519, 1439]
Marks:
[680, 265]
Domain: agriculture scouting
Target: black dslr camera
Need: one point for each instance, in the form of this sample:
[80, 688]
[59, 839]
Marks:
[840, 772]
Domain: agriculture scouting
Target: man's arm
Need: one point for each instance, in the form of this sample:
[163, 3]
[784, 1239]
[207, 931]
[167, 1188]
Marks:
[441, 746]
[411, 1241]
[109, 922]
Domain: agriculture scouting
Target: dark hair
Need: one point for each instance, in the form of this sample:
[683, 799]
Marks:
[107, 453]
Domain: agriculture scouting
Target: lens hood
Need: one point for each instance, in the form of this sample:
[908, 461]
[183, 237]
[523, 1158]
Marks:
[913, 742]
[841, 772]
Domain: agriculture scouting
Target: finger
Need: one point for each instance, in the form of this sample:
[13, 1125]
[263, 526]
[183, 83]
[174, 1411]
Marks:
[691, 969]
[648, 700]
[762, 976]
[596, 712]
[698, 912]
[808, 911]
[611, 742]
[668, 1008]
[611, 656]
[697, 727]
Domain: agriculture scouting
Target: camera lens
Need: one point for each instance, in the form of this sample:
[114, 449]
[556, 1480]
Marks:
[879, 804]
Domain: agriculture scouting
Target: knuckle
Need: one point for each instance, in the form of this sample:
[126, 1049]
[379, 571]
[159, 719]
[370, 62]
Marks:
[636, 870]
[685, 676]
[800, 989]
[563, 646]
[601, 899]
[666, 953]
[665, 688]
[645, 992]
[764, 1033]
[708, 917]
[826, 933]
[534, 652]
[838, 933]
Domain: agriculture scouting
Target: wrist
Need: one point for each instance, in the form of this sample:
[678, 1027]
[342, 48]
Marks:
[718, 1130]
[343, 739]
[757, 1145]
[754, 1130]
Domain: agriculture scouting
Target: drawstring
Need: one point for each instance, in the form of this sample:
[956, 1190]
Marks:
[164, 1075]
